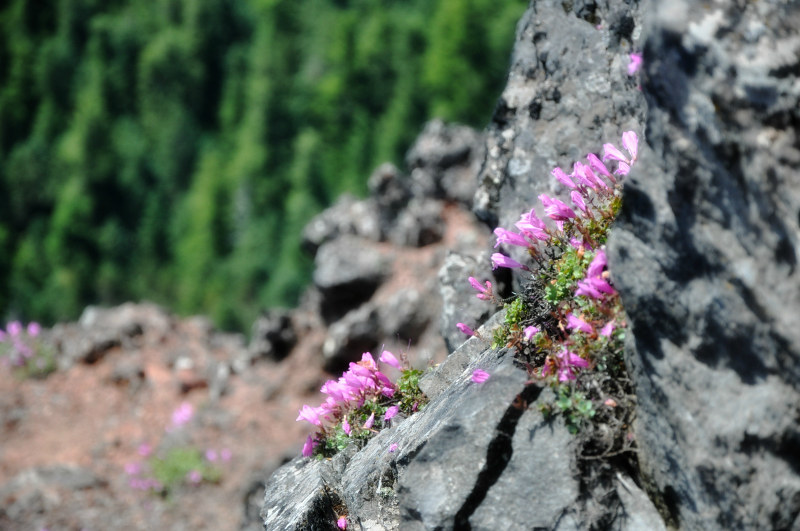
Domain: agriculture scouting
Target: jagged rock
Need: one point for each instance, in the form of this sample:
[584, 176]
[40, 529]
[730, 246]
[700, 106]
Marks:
[347, 272]
[101, 329]
[568, 93]
[705, 258]
[459, 303]
[419, 224]
[348, 216]
[464, 460]
[273, 335]
[406, 314]
[357, 332]
[444, 161]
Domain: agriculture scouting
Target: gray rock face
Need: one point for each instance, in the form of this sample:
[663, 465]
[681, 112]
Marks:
[705, 257]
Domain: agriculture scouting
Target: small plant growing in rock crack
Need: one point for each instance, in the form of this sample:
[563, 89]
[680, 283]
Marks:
[568, 324]
[360, 403]
[22, 350]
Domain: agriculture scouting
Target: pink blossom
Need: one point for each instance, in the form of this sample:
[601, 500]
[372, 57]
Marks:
[631, 142]
[465, 329]
[225, 454]
[597, 165]
[341, 523]
[346, 427]
[578, 200]
[388, 392]
[608, 329]
[182, 415]
[389, 359]
[391, 412]
[533, 227]
[610, 152]
[309, 414]
[580, 174]
[145, 450]
[479, 376]
[623, 169]
[529, 332]
[34, 328]
[576, 323]
[501, 260]
[597, 264]
[335, 390]
[567, 362]
[194, 477]
[368, 361]
[133, 469]
[370, 421]
[485, 290]
[211, 455]
[393, 448]
[308, 447]
[14, 328]
[511, 238]
[555, 209]
[563, 178]
[635, 63]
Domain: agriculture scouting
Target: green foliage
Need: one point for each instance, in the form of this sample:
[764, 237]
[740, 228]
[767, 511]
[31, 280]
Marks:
[411, 396]
[176, 465]
[516, 312]
[564, 273]
[173, 151]
[575, 407]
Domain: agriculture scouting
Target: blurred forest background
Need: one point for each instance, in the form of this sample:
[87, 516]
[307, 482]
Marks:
[173, 150]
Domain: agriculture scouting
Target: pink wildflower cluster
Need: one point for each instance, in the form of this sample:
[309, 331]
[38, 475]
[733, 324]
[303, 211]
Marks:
[592, 187]
[20, 342]
[363, 382]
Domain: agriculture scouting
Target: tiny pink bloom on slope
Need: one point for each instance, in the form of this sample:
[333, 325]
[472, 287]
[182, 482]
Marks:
[14, 328]
[555, 209]
[368, 361]
[335, 390]
[346, 427]
[623, 169]
[370, 421]
[512, 238]
[608, 329]
[563, 178]
[194, 477]
[309, 414]
[579, 173]
[578, 200]
[485, 291]
[308, 447]
[635, 63]
[393, 448]
[587, 171]
[182, 414]
[211, 455]
[529, 332]
[631, 142]
[465, 329]
[391, 412]
[390, 359]
[341, 523]
[145, 450]
[133, 469]
[610, 152]
[597, 264]
[479, 376]
[225, 454]
[576, 323]
[388, 392]
[501, 260]
[34, 328]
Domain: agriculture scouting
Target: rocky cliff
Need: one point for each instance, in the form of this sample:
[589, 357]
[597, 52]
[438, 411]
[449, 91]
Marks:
[703, 255]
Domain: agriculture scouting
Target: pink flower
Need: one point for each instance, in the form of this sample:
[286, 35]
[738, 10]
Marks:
[391, 412]
[563, 178]
[194, 477]
[555, 209]
[576, 323]
[578, 200]
[479, 376]
[225, 454]
[309, 414]
[393, 448]
[485, 291]
[368, 361]
[501, 260]
[635, 63]
[567, 362]
[465, 329]
[389, 359]
[346, 427]
[512, 238]
[598, 166]
[608, 329]
[335, 390]
[531, 226]
[145, 450]
[594, 288]
[211, 455]
[133, 469]
[34, 328]
[610, 152]
[623, 169]
[308, 447]
[597, 264]
[182, 415]
[370, 421]
[14, 328]
[631, 142]
[529, 332]
[341, 523]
